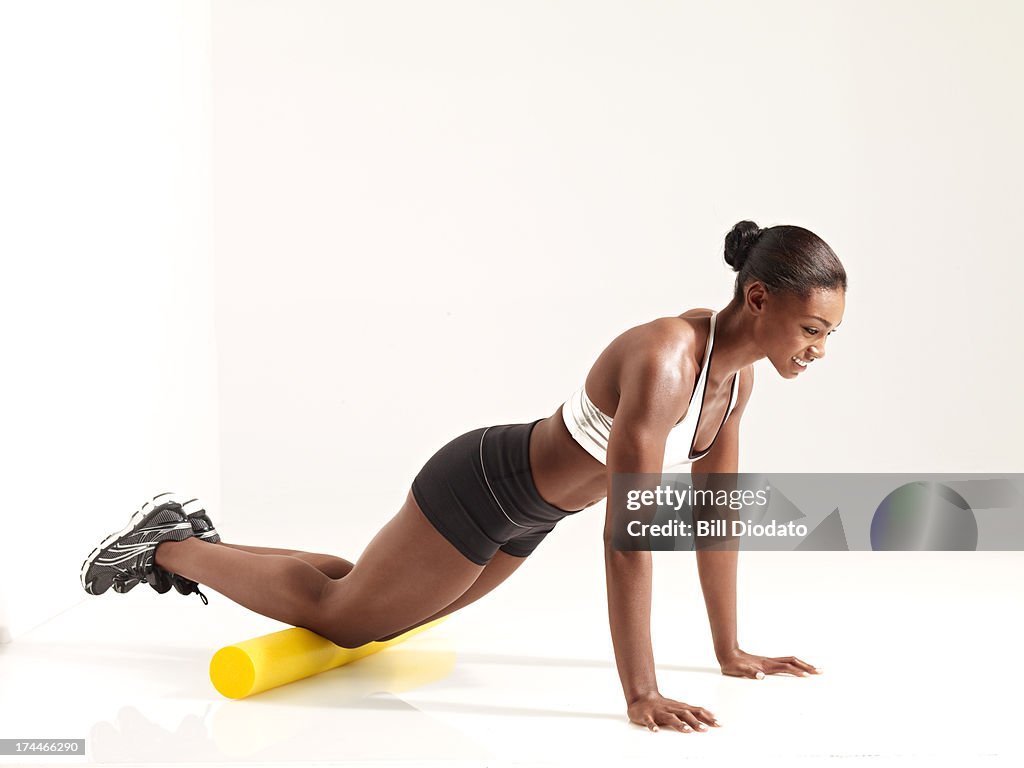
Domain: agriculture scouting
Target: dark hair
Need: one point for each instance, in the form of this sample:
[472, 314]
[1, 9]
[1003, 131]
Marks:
[784, 258]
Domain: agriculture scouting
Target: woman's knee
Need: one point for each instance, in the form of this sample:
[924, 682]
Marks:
[353, 611]
[349, 637]
[330, 565]
[343, 618]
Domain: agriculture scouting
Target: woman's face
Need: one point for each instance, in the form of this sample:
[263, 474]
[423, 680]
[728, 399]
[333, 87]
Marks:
[792, 327]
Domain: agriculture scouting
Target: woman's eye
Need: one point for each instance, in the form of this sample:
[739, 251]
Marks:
[811, 330]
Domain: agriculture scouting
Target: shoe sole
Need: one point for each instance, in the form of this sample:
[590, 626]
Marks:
[145, 509]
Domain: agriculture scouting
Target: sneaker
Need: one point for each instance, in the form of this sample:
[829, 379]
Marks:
[125, 558]
[162, 580]
[202, 528]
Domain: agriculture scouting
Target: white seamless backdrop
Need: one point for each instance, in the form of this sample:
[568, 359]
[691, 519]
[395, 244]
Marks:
[432, 217]
[426, 218]
[106, 297]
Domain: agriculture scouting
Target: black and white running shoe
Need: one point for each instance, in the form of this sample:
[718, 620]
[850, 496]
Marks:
[161, 580]
[202, 525]
[202, 528]
[125, 558]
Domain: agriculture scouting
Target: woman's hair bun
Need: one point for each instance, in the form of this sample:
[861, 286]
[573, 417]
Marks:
[738, 243]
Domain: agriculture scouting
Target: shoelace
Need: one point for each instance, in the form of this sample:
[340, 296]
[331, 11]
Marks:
[183, 585]
[187, 587]
[193, 587]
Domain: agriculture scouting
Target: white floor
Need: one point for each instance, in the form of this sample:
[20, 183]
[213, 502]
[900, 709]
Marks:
[919, 652]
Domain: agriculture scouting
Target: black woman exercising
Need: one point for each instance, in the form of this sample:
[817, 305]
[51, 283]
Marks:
[655, 398]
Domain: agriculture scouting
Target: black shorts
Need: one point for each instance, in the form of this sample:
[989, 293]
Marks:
[478, 491]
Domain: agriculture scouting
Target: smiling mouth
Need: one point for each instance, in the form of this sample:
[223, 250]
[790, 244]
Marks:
[800, 361]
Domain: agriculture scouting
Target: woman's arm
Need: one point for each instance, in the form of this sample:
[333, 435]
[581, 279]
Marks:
[628, 576]
[628, 580]
[651, 389]
[717, 567]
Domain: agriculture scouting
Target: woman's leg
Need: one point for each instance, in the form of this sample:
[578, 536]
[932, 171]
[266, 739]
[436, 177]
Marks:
[408, 572]
[500, 568]
[329, 565]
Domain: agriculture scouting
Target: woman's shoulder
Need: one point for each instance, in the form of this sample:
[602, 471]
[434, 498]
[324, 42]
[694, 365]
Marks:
[662, 350]
[660, 355]
[676, 338]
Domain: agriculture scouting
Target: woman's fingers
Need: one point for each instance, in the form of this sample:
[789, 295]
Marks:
[745, 670]
[674, 721]
[776, 666]
[810, 668]
[700, 712]
[668, 719]
[707, 717]
[702, 716]
[690, 719]
[798, 663]
[685, 718]
[757, 667]
[789, 665]
[653, 711]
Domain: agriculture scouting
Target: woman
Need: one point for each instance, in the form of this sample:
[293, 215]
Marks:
[484, 501]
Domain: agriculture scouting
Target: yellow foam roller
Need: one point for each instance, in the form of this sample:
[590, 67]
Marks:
[268, 661]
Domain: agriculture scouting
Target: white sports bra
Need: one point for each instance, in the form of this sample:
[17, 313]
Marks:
[591, 427]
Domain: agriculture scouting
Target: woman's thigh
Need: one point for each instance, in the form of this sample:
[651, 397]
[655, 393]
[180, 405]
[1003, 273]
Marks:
[407, 572]
[501, 566]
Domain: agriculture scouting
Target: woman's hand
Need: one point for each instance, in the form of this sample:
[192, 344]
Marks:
[742, 664]
[653, 709]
